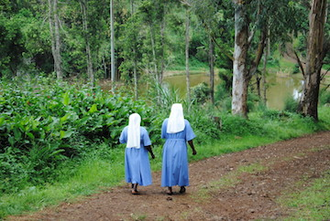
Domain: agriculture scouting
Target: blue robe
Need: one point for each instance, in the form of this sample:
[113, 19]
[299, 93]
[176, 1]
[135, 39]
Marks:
[175, 158]
[137, 165]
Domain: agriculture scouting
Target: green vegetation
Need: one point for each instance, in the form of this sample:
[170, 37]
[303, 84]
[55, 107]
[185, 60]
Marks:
[312, 203]
[228, 180]
[60, 141]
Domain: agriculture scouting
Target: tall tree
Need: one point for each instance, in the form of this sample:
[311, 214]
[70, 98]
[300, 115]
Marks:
[253, 19]
[187, 25]
[211, 66]
[240, 77]
[113, 65]
[314, 60]
[84, 9]
[54, 23]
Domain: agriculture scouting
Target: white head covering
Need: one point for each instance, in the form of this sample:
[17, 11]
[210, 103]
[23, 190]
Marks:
[133, 137]
[175, 121]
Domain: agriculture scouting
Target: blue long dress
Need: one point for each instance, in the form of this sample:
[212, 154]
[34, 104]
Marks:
[137, 165]
[175, 159]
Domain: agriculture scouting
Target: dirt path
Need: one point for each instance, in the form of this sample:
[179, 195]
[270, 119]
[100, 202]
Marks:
[237, 186]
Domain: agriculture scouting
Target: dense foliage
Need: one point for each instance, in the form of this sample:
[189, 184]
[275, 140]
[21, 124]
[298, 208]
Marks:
[43, 123]
[149, 34]
[48, 127]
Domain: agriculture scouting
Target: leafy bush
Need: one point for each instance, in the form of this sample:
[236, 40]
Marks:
[201, 93]
[290, 104]
[238, 126]
[324, 97]
[46, 123]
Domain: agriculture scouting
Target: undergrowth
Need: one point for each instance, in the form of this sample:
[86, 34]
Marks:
[62, 140]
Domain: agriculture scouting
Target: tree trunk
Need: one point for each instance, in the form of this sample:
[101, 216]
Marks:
[240, 80]
[187, 55]
[314, 59]
[113, 65]
[55, 37]
[90, 72]
[264, 73]
[153, 48]
[211, 64]
[162, 36]
[136, 93]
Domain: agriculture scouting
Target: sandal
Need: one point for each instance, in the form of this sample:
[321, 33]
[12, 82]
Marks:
[182, 189]
[169, 192]
[135, 192]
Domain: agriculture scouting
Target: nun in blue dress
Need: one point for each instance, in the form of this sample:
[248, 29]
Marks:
[138, 144]
[177, 132]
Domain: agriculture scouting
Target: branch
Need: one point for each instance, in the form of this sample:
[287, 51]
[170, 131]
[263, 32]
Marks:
[299, 63]
[185, 3]
[215, 41]
[323, 75]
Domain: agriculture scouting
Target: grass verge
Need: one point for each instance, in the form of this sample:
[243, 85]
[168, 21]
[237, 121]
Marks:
[311, 204]
[103, 167]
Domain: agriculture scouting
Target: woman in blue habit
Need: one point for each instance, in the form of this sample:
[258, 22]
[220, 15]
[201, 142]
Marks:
[177, 132]
[138, 144]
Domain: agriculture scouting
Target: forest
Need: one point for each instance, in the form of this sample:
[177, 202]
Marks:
[71, 72]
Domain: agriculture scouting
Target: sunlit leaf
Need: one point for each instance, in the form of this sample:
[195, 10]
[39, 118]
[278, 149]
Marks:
[65, 134]
[66, 98]
[93, 109]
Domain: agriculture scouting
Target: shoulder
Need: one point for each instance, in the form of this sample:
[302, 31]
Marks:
[165, 121]
[187, 123]
[143, 129]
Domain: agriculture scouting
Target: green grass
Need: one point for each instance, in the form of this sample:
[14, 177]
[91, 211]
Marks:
[228, 180]
[311, 204]
[89, 176]
[103, 166]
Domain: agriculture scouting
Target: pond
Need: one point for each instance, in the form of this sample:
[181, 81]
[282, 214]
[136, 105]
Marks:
[280, 87]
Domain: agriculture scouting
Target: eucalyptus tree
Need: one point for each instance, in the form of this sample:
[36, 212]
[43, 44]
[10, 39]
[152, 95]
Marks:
[54, 27]
[84, 36]
[318, 44]
[187, 5]
[113, 65]
[84, 14]
[253, 19]
[24, 45]
[131, 45]
[216, 18]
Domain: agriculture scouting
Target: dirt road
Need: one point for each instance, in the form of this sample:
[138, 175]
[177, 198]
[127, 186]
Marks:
[238, 186]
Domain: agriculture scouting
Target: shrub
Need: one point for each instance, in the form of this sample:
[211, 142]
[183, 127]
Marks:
[201, 93]
[290, 104]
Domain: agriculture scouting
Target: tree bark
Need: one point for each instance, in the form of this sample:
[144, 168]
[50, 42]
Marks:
[211, 64]
[162, 37]
[315, 56]
[112, 42]
[55, 37]
[136, 93]
[90, 72]
[187, 55]
[153, 47]
[240, 79]
[264, 73]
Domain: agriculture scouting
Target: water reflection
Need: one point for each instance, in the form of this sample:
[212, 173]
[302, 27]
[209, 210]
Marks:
[280, 87]
[179, 81]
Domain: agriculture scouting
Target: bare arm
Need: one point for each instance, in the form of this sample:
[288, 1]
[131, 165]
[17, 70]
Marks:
[191, 144]
[150, 151]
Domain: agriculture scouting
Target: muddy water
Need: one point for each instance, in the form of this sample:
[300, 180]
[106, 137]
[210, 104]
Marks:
[280, 86]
